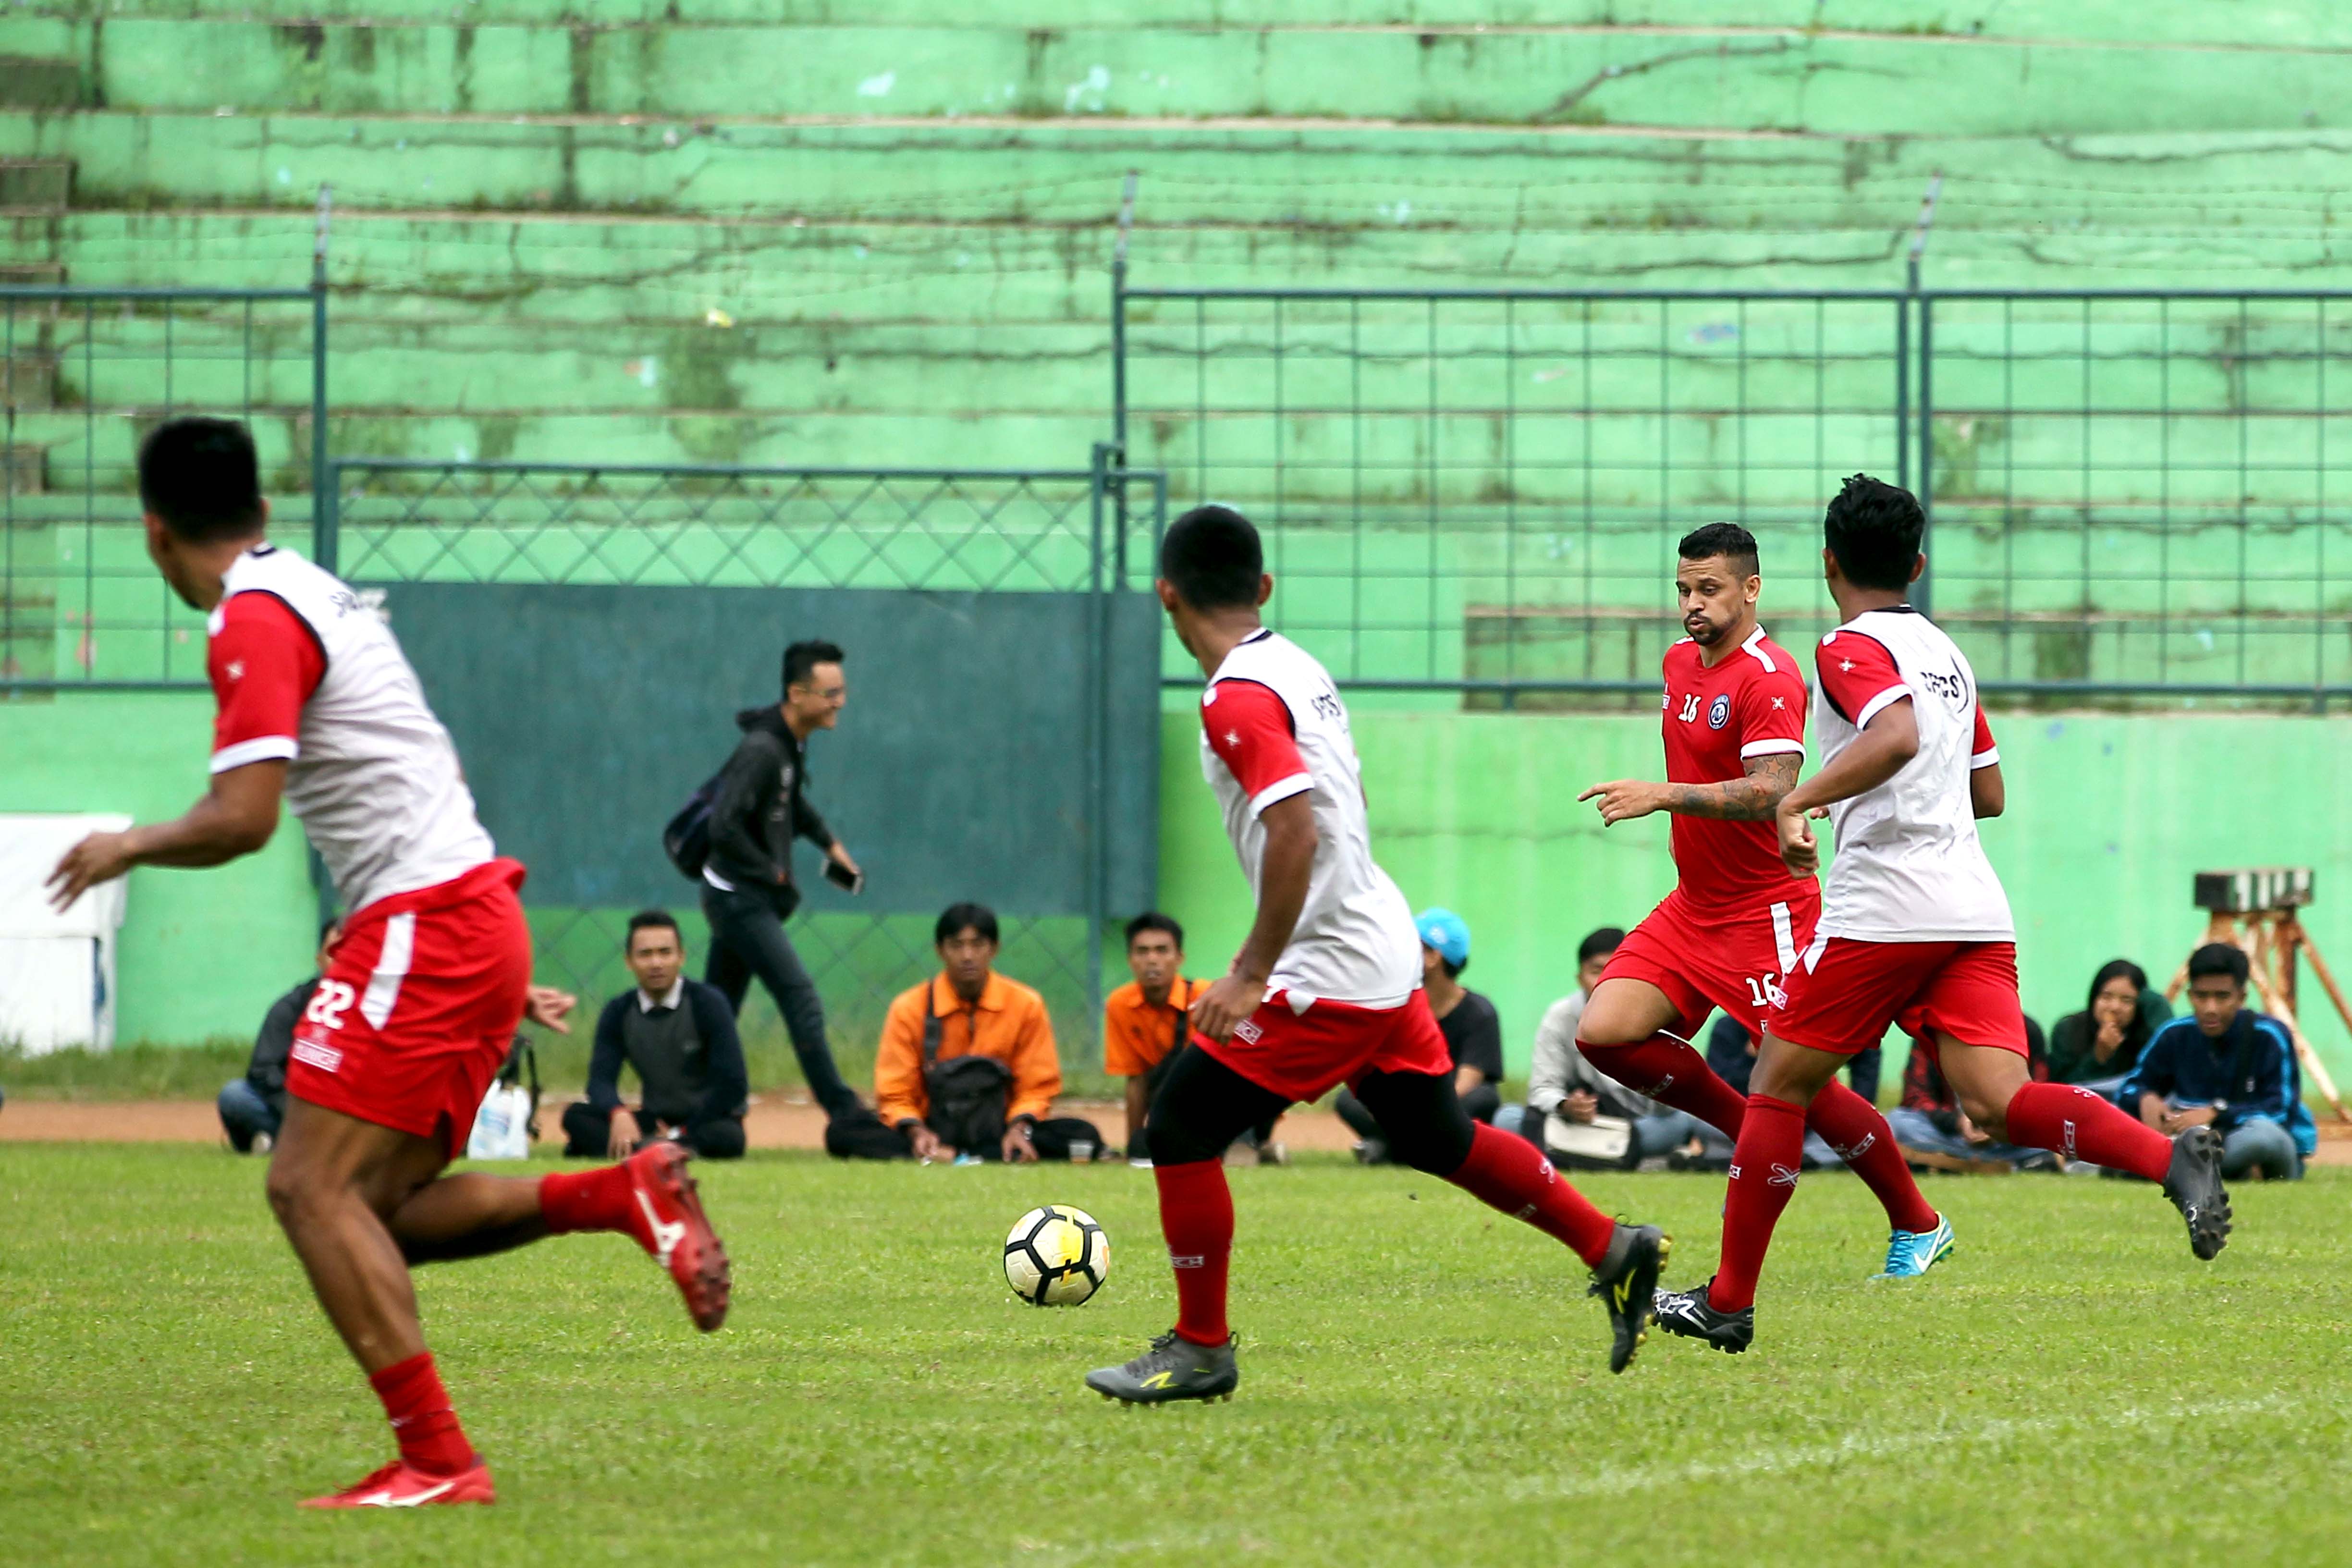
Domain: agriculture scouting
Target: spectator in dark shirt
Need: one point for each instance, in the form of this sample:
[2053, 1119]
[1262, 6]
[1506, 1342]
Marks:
[2228, 1067]
[760, 807]
[1932, 1130]
[2098, 1046]
[1473, 1031]
[678, 1036]
[252, 1107]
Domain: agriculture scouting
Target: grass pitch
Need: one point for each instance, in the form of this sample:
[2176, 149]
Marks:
[1423, 1381]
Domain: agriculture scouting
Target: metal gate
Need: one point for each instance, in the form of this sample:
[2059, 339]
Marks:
[588, 632]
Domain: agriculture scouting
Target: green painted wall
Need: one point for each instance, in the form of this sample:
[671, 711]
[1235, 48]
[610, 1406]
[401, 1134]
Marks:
[2108, 818]
[203, 953]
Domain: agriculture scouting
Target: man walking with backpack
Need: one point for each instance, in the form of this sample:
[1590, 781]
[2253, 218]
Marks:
[758, 805]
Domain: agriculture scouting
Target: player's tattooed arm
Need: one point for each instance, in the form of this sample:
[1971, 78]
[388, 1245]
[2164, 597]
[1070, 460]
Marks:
[1749, 799]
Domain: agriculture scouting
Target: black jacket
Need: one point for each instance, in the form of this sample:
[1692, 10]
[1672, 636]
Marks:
[265, 1071]
[726, 1085]
[762, 807]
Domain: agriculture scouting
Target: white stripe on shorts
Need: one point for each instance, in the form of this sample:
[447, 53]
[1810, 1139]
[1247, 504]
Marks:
[391, 968]
[1813, 953]
[1784, 939]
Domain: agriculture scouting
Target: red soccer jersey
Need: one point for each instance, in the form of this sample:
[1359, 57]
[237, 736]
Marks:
[1751, 704]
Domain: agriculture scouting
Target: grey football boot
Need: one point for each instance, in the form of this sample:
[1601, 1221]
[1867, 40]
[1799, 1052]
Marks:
[1173, 1368]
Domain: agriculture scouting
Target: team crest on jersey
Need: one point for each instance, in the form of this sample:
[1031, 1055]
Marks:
[1719, 712]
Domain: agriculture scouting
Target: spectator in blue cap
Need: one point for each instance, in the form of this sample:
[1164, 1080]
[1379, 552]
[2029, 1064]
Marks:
[1473, 1031]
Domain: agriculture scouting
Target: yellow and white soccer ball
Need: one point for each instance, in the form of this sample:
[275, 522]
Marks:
[1057, 1257]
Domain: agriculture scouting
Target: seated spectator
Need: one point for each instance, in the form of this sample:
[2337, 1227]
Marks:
[1147, 1023]
[2230, 1068]
[1473, 1031]
[678, 1036]
[2098, 1046]
[1933, 1132]
[967, 1066]
[252, 1107]
[1563, 1083]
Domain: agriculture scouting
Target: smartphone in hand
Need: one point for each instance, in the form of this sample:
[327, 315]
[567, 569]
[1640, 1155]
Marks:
[840, 875]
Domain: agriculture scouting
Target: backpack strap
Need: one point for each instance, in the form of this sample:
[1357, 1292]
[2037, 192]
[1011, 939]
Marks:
[934, 1024]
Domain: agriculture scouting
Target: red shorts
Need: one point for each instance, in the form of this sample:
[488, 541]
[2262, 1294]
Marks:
[1845, 993]
[418, 1006]
[1300, 1055]
[1703, 960]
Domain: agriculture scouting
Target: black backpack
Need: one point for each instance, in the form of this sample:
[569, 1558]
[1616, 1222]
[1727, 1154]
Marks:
[687, 839]
[968, 1094]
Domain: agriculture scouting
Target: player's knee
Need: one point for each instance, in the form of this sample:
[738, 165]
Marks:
[1174, 1139]
[1989, 1113]
[1438, 1150]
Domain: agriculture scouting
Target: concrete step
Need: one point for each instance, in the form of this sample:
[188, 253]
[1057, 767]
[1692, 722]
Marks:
[1694, 78]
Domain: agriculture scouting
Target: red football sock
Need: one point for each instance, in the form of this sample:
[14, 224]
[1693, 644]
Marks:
[1764, 1166]
[1507, 1173]
[588, 1200]
[430, 1439]
[2080, 1125]
[1862, 1138]
[1672, 1073]
[1196, 1216]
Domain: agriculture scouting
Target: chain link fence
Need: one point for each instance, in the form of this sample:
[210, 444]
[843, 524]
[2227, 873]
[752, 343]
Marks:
[1006, 531]
[1476, 495]
[84, 374]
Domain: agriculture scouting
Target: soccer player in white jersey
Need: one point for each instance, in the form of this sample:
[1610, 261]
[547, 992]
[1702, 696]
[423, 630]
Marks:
[1915, 929]
[425, 985]
[1325, 989]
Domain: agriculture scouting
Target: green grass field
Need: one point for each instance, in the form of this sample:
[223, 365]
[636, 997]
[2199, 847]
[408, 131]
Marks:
[1423, 1381]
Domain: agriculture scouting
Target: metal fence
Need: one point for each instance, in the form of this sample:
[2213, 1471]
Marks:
[1478, 492]
[84, 374]
[1086, 530]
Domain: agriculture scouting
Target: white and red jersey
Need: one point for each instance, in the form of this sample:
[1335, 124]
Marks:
[1273, 726]
[1751, 704]
[1909, 866]
[303, 670]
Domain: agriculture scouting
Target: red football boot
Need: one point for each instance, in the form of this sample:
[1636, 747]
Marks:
[676, 1232]
[397, 1485]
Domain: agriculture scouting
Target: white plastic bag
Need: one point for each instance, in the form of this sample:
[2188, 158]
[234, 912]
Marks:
[502, 1127]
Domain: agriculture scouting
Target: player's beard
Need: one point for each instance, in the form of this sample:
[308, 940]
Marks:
[1703, 632]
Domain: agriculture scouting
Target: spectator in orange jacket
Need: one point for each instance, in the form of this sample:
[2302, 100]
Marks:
[1145, 1028]
[974, 1012]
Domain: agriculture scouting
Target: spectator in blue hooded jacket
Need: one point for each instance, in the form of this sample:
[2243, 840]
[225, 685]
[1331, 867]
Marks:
[2228, 1067]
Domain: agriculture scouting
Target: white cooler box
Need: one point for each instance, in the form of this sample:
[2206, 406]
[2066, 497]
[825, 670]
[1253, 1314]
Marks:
[56, 971]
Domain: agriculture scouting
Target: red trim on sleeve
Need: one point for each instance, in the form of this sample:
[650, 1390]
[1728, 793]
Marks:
[1249, 726]
[265, 662]
[1858, 676]
[1982, 752]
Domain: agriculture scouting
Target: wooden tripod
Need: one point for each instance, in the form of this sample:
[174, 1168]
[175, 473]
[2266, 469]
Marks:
[2271, 940]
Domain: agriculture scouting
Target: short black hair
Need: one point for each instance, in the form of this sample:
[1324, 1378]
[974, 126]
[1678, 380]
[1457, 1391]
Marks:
[957, 918]
[648, 920]
[1725, 539]
[1873, 528]
[802, 658]
[1607, 939]
[1152, 920]
[1212, 556]
[2219, 958]
[201, 476]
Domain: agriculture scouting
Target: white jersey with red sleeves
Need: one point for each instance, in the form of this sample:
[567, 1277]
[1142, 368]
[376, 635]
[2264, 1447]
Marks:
[1908, 865]
[305, 672]
[1748, 705]
[1273, 726]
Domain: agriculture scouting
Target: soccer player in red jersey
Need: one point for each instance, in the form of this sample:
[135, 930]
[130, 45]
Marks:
[1325, 989]
[320, 709]
[1915, 929]
[1733, 927]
